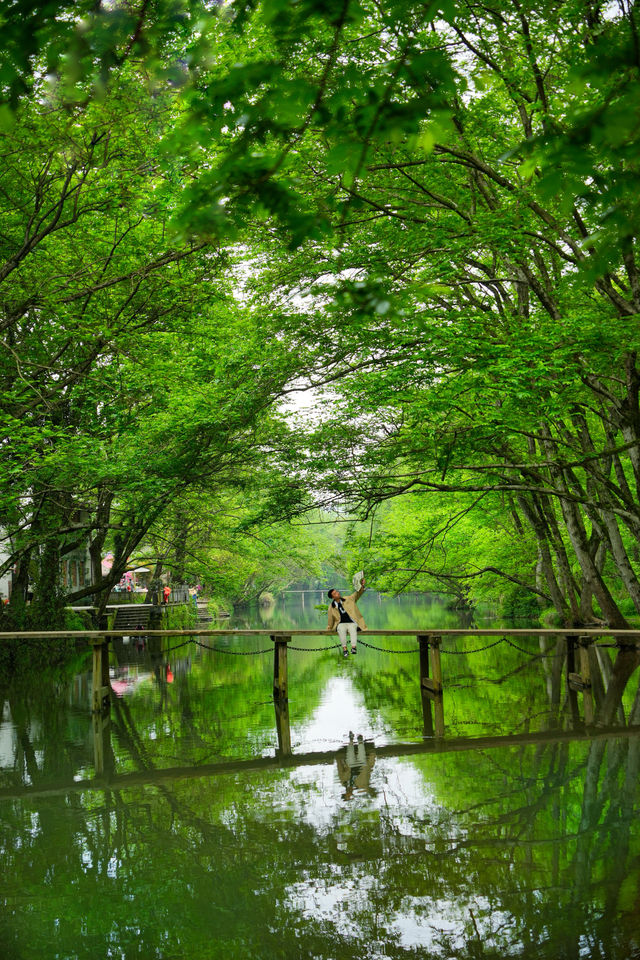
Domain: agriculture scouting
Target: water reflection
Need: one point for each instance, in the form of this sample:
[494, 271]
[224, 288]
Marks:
[211, 836]
[355, 763]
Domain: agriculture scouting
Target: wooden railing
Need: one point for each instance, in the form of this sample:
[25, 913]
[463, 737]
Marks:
[429, 649]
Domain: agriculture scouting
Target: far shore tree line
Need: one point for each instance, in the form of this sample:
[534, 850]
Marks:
[425, 214]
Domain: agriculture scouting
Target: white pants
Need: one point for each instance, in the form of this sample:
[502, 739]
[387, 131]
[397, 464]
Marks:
[348, 628]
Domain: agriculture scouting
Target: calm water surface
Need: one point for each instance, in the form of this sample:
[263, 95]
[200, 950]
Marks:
[204, 844]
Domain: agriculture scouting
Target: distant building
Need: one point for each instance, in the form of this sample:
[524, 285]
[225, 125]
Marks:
[75, 569]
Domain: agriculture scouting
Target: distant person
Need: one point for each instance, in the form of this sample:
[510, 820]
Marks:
[166, 593]
[345, 617]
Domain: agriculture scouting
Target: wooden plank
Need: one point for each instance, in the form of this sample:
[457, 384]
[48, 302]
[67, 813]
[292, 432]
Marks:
[431, 687]
[576, 682]
[631, 635]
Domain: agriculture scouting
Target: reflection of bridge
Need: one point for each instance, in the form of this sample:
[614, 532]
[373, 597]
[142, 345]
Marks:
[120, 781]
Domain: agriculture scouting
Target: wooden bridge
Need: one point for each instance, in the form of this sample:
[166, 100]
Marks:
[578, 650]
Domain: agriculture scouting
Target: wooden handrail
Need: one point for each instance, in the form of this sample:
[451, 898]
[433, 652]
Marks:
[230, 632]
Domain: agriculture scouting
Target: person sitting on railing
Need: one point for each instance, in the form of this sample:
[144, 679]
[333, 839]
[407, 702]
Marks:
[345, 616]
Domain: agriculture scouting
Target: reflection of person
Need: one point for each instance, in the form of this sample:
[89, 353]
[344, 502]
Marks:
[345, 616]
[355, 766]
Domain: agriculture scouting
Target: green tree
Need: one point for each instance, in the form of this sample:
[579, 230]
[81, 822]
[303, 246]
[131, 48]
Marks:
[483, 320]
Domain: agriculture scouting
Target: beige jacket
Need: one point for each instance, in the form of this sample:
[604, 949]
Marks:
[349, 603]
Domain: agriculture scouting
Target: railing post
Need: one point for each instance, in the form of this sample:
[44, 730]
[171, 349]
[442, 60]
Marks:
[280, 667]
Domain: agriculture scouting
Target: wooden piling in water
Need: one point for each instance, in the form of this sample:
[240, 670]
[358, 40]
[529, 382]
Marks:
[585, 672]
[436, 670]
[580, 682]
[101, 687]
[436, 664]
[283, 728]
[280, 667]
[572, 677]
[427, 717]
[102, 752]
[423, 643]
[430, 656]
[431, 683]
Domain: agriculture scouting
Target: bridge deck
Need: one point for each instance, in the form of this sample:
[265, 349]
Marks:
[592, 632]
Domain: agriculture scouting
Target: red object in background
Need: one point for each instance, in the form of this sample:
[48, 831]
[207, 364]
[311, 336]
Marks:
[120, 687]
[169, 674]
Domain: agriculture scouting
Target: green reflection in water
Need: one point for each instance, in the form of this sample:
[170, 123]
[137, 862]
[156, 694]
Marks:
[528, 851]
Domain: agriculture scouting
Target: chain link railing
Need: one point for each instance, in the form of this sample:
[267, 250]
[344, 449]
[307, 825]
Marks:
[333, 646]
[233, 653]
[386, 649]
[534, 655]
[463, 653]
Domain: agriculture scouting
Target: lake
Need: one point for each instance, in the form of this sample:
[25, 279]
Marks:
[374, 840]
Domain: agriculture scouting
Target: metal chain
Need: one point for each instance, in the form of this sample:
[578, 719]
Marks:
[386, 649]
[177, 647]
[534, 656]
[233, 653]
[312, 649]
[463, 653]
